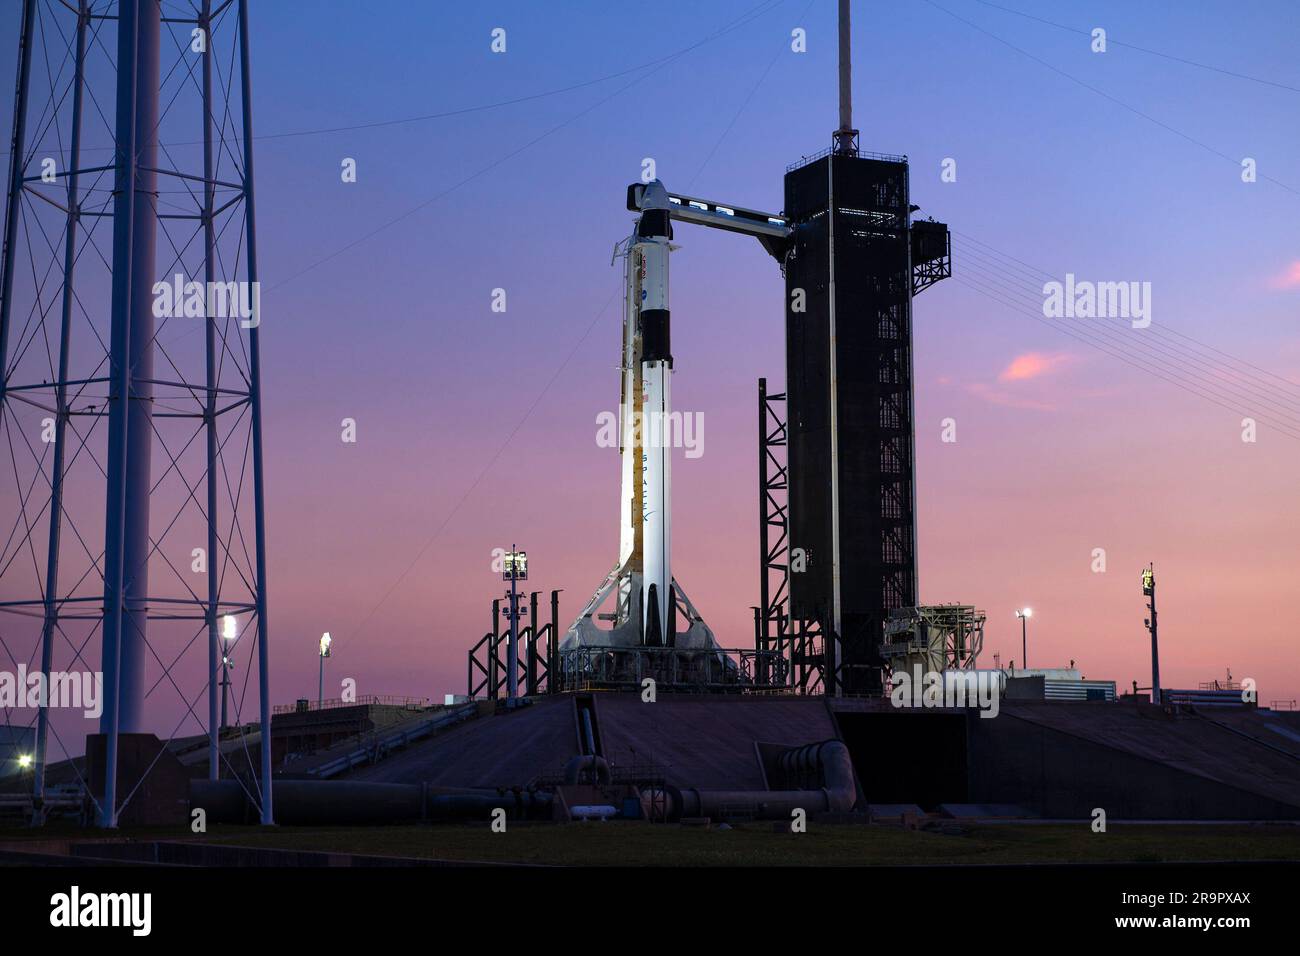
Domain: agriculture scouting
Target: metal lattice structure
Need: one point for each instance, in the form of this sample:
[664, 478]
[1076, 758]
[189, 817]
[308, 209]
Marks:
[673, 669]
[791, 651]
[937, 638]
[931, 254]
[130, 407]
[773, 525]
[488, 665]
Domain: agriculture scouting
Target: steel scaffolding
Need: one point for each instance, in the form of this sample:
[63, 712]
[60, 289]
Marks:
[790, 652]
[118, 419]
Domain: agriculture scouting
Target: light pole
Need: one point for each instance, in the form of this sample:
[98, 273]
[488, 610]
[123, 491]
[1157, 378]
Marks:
[325, 642]
[229, 630]
[1025, 613]
[1149, 590]
[516, 570]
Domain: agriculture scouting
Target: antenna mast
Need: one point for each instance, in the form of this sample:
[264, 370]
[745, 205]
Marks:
[846, 137]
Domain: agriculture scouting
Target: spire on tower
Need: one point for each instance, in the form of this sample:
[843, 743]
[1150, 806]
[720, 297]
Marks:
[846, 137]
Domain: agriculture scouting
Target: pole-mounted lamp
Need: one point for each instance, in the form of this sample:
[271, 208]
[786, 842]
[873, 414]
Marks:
[325, 642]
[1025, 613]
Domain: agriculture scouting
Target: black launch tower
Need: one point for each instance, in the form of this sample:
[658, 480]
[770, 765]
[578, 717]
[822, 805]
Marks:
[856, 261]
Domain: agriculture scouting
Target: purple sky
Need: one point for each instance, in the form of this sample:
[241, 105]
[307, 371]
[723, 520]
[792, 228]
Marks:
[476, 429]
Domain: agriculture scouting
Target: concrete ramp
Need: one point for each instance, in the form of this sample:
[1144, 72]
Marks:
[1137, 762]
[1056, 759]
[507, 749]
[706, 741]
[1279, 730]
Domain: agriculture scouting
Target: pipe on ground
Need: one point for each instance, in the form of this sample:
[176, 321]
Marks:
[595, 767]
[837, 794]
[344, 802]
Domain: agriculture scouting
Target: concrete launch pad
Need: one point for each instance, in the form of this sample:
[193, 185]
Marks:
[1050, 759]
[1058, 760]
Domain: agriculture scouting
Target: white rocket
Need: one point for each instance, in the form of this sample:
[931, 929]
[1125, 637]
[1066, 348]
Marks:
[649, 604]
[650, 251]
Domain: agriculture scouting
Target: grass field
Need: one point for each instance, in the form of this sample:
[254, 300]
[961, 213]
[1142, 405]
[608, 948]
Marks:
[637, 844]
[760, 845]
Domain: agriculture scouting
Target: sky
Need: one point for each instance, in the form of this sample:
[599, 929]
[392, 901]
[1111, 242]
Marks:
[477, 429]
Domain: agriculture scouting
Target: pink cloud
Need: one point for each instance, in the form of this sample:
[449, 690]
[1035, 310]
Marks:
[1032, 365]
[1288, 278]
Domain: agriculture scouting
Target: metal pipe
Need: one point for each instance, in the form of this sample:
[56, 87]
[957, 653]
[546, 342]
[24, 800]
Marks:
[210, 410]
[61, 414]
[588, 733]
[845, 137]
[1155, 646]
[512, 647]
[763, 611]
[332, 802]
[18, 145]
[534, 626]
[494, 644]
[914, 570]
[317, 802]
[139, 258]
[591, 764]
[831, 626]
[764, 804]
[225, 687]
[132, 29]
[838, 793]
[846, 71]
[255, 404]
[553, 681]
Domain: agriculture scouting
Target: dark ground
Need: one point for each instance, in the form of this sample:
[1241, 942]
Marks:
[752, 844]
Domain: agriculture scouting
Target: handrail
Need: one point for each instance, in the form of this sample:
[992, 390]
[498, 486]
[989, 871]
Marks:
[366, 700]
[860, 153]
[381, 742]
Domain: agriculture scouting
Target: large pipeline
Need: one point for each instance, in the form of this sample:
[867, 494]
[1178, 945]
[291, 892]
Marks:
[343, 802]
[828, 760]
[594, 768]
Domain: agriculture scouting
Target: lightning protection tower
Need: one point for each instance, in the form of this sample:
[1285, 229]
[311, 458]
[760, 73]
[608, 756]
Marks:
[131, 512]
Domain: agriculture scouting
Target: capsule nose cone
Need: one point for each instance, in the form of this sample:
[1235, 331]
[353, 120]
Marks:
[654, 196]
